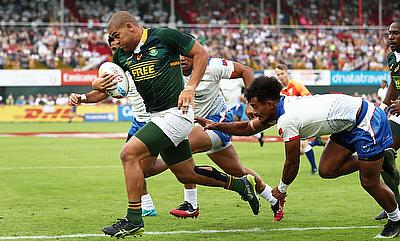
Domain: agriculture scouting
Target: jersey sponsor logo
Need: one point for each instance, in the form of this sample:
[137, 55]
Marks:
[139, 56]
[153, 51]
[143, 70]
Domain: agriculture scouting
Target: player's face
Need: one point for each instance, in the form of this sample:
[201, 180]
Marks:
[264, 110]
[125, 36]
[394, 37]
[186, 63]
[283, 76]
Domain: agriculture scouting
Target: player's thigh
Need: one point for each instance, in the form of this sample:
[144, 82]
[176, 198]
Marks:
[228, 160]
[134, 149]
[370, 172]
[199, 140]
[333, 156]
[148, 141]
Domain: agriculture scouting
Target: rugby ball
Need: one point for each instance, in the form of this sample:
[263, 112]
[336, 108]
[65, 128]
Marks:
[121, 87]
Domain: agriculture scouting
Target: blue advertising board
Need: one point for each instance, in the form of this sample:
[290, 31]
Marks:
[359, 77]
[98, 117]
[125, 113]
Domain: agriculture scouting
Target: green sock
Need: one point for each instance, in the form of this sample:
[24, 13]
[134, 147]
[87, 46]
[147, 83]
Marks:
[236, 184]
[392, 185]
[134, 212]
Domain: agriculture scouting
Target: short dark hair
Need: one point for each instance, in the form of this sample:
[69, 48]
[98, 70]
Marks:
[264, 88]
[282, 67]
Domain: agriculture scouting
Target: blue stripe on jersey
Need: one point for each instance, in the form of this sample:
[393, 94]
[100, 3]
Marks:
[280, 110]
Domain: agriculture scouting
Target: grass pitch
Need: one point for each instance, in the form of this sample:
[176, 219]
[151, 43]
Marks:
[65, 186]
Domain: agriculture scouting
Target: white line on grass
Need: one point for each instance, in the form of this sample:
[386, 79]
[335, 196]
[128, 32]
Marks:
[55, 167]
[258, 230]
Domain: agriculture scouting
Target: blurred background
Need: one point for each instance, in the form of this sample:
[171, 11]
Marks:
[50, 48]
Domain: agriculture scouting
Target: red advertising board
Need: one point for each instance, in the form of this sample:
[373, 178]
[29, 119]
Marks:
[71, 77]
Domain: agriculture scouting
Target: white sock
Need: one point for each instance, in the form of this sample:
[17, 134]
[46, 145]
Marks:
[191, 197]
[395, 215]
[267, 195]
[258, 135]
[147, 202]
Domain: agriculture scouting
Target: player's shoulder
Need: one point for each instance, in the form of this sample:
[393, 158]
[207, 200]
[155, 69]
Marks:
[391, 57]
[215, 62]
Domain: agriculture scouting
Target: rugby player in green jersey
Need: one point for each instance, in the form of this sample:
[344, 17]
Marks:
[391, 104]
[152, 57]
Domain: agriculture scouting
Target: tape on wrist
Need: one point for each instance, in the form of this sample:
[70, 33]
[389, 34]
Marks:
[189, 87]
[83, 97]
[282, 187]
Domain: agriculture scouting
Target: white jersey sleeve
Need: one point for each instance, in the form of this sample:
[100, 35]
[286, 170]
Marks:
[289, 127]
[208, 99]
[136, 100]
[309, 116]
[221, 68]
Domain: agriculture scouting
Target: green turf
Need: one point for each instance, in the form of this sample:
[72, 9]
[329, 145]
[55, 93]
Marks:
[46, 188]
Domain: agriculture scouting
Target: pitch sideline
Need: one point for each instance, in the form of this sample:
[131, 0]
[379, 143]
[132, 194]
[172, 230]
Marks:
[258, 230]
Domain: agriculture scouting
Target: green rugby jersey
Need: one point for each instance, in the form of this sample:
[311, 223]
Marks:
[155, 66]
[394, 67]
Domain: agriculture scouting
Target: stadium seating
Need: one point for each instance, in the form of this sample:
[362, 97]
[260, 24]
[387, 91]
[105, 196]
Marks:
[37, 46]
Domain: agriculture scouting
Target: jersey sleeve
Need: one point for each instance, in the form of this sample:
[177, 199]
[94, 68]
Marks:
[302, 89]
[288, 128]
[176, 41]
[221, 67]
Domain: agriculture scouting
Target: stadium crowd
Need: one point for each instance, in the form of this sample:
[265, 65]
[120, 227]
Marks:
[261, 48]
[52, 47]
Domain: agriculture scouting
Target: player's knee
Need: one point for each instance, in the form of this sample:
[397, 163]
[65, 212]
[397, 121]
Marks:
[327, 173]
[369, 184]
[126, 155]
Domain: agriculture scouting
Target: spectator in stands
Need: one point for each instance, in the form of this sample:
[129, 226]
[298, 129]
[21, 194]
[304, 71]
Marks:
[10, 100]
[31, 100]
[21, 100]
[382, 90]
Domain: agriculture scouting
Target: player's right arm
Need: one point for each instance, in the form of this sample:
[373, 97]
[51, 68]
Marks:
[391, 94]
[242, 128]
[302, 89]
[93, 96]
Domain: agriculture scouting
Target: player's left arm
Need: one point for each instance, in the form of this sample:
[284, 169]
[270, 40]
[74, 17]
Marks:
[391, 99]
[200, 61]
[244, 72]
[237, 128]
[247, 74]
[290, 168]
[302, 89]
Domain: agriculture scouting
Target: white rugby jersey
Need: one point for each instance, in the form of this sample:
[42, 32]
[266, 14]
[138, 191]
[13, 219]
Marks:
[309, 116]
[134, 99]
[208, 98]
